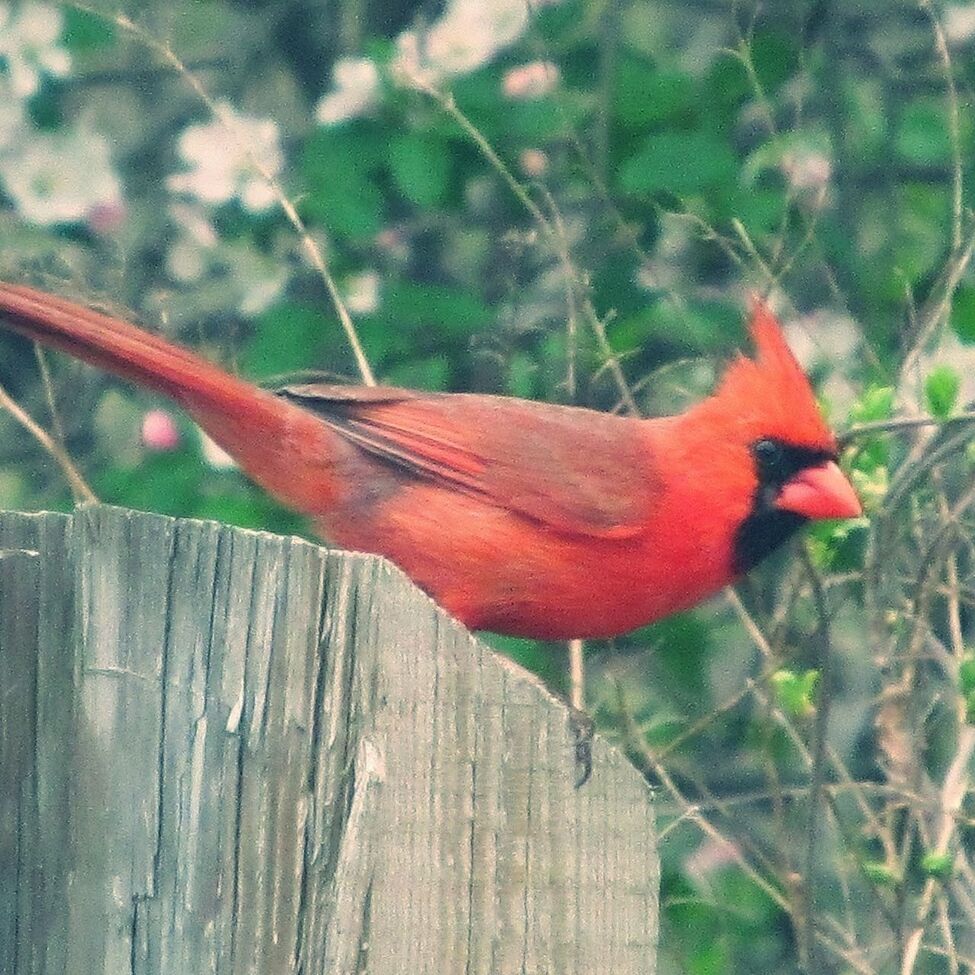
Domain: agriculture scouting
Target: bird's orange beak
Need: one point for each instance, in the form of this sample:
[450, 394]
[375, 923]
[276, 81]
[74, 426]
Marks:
[820, 492]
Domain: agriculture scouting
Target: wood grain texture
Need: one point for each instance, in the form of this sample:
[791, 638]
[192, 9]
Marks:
[228, 752]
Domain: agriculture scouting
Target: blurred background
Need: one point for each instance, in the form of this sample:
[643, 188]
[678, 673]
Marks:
[572, 200]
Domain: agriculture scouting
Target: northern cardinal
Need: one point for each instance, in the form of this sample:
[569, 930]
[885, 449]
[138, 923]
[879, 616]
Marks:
[518, 517]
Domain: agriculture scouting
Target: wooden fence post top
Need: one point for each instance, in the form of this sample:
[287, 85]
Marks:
[225, 751]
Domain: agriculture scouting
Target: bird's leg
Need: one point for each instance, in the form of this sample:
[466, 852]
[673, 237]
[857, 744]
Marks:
[579, 720]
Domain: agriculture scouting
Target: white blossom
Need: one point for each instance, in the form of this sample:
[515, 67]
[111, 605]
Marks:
[189, 255]
[959, 23]
[12, 117]
[361, 293]
[214, 455]
[60, 177]
[467, 36]
[807, 170]
[533, 163]
[356, 91]
[254, 279]
[29, 46]
[224, 156]
[261, 290]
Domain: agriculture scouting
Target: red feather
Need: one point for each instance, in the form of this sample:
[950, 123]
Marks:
[520, 517]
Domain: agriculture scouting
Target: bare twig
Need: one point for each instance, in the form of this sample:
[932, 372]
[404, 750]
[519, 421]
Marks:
[312, 250]
[79, 487]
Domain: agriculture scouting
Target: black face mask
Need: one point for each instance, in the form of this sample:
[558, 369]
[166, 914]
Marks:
[766, 526]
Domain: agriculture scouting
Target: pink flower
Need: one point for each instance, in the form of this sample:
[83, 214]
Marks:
[807, 170]
[394, 242]
[533, 80]
[533, 163]
[159, 431]
[105, 219]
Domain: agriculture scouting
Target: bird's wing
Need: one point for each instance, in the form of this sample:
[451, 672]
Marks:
[577, 471]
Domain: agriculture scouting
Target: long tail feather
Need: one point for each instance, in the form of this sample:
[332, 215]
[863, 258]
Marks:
[282, 446]
[120, 348]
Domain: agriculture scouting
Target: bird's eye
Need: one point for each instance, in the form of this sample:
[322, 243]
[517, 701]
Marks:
[768, 454]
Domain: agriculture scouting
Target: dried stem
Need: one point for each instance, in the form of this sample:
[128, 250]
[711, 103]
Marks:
[83, 494]
[314, 253]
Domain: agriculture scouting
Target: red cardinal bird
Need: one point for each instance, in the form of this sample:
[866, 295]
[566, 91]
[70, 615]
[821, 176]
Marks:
[518, 517]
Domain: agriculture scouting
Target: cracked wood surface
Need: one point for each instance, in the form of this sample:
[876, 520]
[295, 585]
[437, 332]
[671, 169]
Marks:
[223, 751]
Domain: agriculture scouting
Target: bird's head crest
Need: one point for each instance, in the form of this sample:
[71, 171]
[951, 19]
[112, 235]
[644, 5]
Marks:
[769, 395]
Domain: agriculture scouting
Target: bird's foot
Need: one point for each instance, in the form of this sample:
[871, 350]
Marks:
[583, 727]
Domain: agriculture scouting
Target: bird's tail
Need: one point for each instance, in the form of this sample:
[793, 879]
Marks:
[260, 430]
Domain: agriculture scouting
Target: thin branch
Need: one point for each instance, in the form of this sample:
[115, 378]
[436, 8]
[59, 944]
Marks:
[83, 494]
[312, 250]
[446, 101]
[954, 124]
[900, 423]
[553, 230]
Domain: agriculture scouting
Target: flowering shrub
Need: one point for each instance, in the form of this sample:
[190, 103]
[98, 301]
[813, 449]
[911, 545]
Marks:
[571, 201]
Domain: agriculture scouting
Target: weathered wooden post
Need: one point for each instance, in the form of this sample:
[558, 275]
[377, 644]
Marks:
[226, 752]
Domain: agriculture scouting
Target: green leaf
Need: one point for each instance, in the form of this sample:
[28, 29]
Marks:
[339, 166]
[775, 56]
[881, 874]
[286, 338]
[644, 96]
[726, 86]
[760, 209]
[966, 674]
[531, 654]
[923, 136]
[679, 163]
[682, 643]
[431, 373]
[941, 391]
[522, 375]
[963, 313]
[794, 692]
[921, 211]
[938, 865]
[84, 31]
[421, 168]
[877, 403]
[838, 545]
[435, 309]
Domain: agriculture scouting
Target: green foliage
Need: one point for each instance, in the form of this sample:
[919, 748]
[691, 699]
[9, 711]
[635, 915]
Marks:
[679, 163]
[882, 874]
[795, 692]
[966, 675]
[923, 136]
[284, 337]
[838, 546]
[645, 97]
[681, 644]
[541, 658]
[84, 32]
[963, 313]
[686, 155]
[340, 167]
[876, 403]
[938, 865]
[421, 168]
[941, 388]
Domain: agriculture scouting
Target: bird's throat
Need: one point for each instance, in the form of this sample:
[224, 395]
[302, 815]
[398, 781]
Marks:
[760, 534]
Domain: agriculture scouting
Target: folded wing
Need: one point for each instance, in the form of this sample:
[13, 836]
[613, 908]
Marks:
[573, 470]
